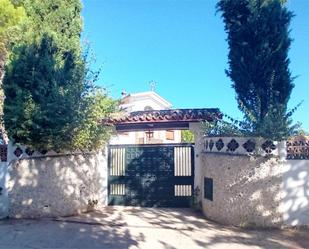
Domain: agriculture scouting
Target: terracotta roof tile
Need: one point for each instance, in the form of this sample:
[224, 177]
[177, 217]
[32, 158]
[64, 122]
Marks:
[156, 116]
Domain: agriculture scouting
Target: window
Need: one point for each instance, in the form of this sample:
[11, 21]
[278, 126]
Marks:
[169, 135]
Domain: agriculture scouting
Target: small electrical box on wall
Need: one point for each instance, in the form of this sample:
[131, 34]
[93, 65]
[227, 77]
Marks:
[208, 188]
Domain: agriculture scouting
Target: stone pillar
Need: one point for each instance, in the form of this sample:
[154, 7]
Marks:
[198, 140]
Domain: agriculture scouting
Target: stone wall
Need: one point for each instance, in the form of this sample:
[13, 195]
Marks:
[255, 182]
[246, 189]
[56, 185]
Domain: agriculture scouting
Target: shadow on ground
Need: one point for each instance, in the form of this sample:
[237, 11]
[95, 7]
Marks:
[128, 227]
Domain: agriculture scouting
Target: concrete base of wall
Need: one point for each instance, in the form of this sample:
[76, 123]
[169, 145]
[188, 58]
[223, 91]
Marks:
[57, 185]
[246, 190]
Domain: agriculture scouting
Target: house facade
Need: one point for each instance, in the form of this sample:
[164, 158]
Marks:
[145, 101]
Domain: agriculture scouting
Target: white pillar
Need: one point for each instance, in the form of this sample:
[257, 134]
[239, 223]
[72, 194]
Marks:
[198, 140]
[282, 150]
[4, 200]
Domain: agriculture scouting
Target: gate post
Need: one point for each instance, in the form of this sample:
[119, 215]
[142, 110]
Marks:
[198, 147]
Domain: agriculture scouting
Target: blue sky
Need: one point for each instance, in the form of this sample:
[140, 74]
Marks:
[180, 44]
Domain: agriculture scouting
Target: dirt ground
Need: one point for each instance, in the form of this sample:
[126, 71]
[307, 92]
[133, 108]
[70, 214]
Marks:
[151, 228]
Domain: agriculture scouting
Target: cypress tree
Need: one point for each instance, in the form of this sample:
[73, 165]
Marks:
[258, 39]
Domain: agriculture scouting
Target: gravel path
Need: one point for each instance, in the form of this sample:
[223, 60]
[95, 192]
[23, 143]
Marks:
[151, 228]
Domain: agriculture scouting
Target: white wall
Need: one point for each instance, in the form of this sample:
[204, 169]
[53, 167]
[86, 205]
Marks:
[132, 137]
[52, 184]
[198, 147]
[123, 138]
[246, 190]
[3, 195]
[296, 193]
[138, 102]
[280, 188]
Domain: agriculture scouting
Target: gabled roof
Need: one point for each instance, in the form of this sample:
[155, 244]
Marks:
[150, 94]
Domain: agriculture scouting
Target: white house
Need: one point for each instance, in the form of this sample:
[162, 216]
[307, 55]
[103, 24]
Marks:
[145, 101]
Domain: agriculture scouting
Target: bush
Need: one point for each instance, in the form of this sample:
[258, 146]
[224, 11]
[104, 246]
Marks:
[91, 134]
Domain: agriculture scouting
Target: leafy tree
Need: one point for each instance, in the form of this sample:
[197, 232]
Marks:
[301, 132]
[222, 128]
[42, 95]
[90, 134]
[23, 21]
[258, 38]
[49, 104]
[10, 17]
[187, 136]
[59, 18]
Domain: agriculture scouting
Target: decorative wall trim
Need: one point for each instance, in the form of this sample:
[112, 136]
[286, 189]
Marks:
[18, 152]
[298, 148]
[240, 146]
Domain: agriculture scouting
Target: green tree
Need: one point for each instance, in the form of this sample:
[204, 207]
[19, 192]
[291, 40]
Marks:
[221, 128]
[90, 134]
[42, 96]
[59, 18]
[50, 104]
[10, 18]
[187, 136]
[25, 21]
[51, 101]
[301, 132]
[258, 38]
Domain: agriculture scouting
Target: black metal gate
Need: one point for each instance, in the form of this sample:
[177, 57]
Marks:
[151, 175]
